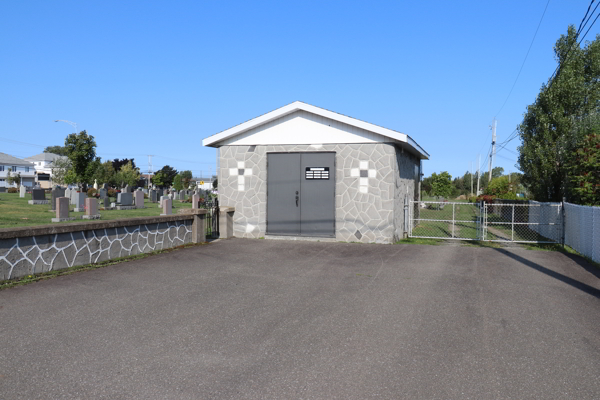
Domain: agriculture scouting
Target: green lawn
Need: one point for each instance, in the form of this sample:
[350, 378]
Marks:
[15, 211]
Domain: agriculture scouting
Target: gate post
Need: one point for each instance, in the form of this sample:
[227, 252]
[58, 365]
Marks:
[563, 214]
[199, 227]
[406, 218]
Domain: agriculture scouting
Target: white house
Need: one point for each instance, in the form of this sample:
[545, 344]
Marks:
[16, 166]
[43, 164]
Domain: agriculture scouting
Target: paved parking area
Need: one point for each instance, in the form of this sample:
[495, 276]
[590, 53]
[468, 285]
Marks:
[263, 319]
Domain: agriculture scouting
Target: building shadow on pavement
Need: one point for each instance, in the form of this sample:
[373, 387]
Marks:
[556, 275]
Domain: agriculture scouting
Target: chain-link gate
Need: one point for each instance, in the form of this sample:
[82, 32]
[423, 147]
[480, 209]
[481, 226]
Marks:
[445, 220]
[498, 222]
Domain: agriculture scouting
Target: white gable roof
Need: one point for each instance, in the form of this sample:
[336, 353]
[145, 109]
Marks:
[301, 123]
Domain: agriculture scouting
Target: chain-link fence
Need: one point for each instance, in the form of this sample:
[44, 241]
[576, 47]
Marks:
[582, 230]
[435, 219]
[523, 222]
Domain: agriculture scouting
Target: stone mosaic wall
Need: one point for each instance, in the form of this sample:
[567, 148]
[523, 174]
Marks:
[370, 179]
[407, 175]
[34, 254]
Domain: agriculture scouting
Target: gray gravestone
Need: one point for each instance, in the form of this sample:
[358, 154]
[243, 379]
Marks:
[182, 195]
[106, 203]
[79, 201]
[102, 192]
[125, 199]
[56, 193]
[38, 194]
[127, 189]
[152, 196]
[22, 191]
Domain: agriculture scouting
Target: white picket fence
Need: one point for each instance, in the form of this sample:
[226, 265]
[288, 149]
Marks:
[582, 230]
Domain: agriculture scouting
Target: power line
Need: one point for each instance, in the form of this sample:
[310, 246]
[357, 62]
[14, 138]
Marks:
[582, 25]
[523, 64]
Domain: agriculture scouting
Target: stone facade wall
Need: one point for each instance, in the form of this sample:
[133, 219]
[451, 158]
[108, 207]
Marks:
[407, 186]
[368, 183]
[25, 255]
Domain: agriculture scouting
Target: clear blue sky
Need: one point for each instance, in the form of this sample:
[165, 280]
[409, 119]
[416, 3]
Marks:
[158, 77]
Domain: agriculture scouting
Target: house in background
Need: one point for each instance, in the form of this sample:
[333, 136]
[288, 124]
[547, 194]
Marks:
[305, 171]
[17, 166]
[43, 164]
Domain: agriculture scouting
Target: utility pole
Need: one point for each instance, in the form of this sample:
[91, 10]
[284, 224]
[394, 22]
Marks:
[471, 178]
[493, 153]
[478, 172]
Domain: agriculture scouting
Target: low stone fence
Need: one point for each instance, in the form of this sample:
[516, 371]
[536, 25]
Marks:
[32, 250]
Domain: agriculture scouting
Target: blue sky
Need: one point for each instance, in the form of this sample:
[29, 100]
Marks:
[158, 77]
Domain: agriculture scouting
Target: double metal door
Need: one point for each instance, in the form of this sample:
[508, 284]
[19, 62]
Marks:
[301, 194]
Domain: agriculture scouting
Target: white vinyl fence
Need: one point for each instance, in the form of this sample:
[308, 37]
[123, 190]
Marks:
[582, 230]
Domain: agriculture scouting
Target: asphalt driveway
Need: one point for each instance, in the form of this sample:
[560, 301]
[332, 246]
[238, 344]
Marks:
[266, 319]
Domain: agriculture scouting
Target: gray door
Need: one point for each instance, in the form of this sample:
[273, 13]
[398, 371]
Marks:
[283, 194]
[301, 194]
[317, 194]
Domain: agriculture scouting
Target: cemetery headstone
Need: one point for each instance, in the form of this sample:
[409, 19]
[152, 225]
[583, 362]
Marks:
[139, 199]
[182, 195]
[79, 201]
[167, 207]
[22, 191]
[195, 200]
[152, 196]
[96, 184]
[91, 209]
[62, 210]
[38, 196]
[102, 193]
[125, 201]
[56, 193]
[105, 186]
[162, 198]
[68, 194]
[106, 203]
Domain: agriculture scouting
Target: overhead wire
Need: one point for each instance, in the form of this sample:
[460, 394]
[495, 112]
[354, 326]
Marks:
[524, 60]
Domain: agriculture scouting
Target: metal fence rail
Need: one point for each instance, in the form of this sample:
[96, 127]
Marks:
[445, 220]
[582, 230]
[524, 223]
[212, 218]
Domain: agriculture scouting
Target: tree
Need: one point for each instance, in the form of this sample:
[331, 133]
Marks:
[13, 179]
[60, 150]
[497, 172]
[128, 175]
[81, 150]
[60, 168]
[441, 184]
[186, 177]
[168, 174]
[105, 173]
[158, 179]
[117, 164]
[177, 182]
[585, 170]
[548, 137]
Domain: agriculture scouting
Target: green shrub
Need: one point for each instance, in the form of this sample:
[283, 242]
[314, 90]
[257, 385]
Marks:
[12, 190]
[91, 192]
[111, 193]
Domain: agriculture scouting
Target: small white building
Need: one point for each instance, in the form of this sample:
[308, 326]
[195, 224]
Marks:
[43, 164]
[16, 166]
[305, 171]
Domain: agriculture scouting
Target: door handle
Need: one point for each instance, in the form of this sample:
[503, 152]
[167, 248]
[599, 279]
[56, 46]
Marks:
[297, 198]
